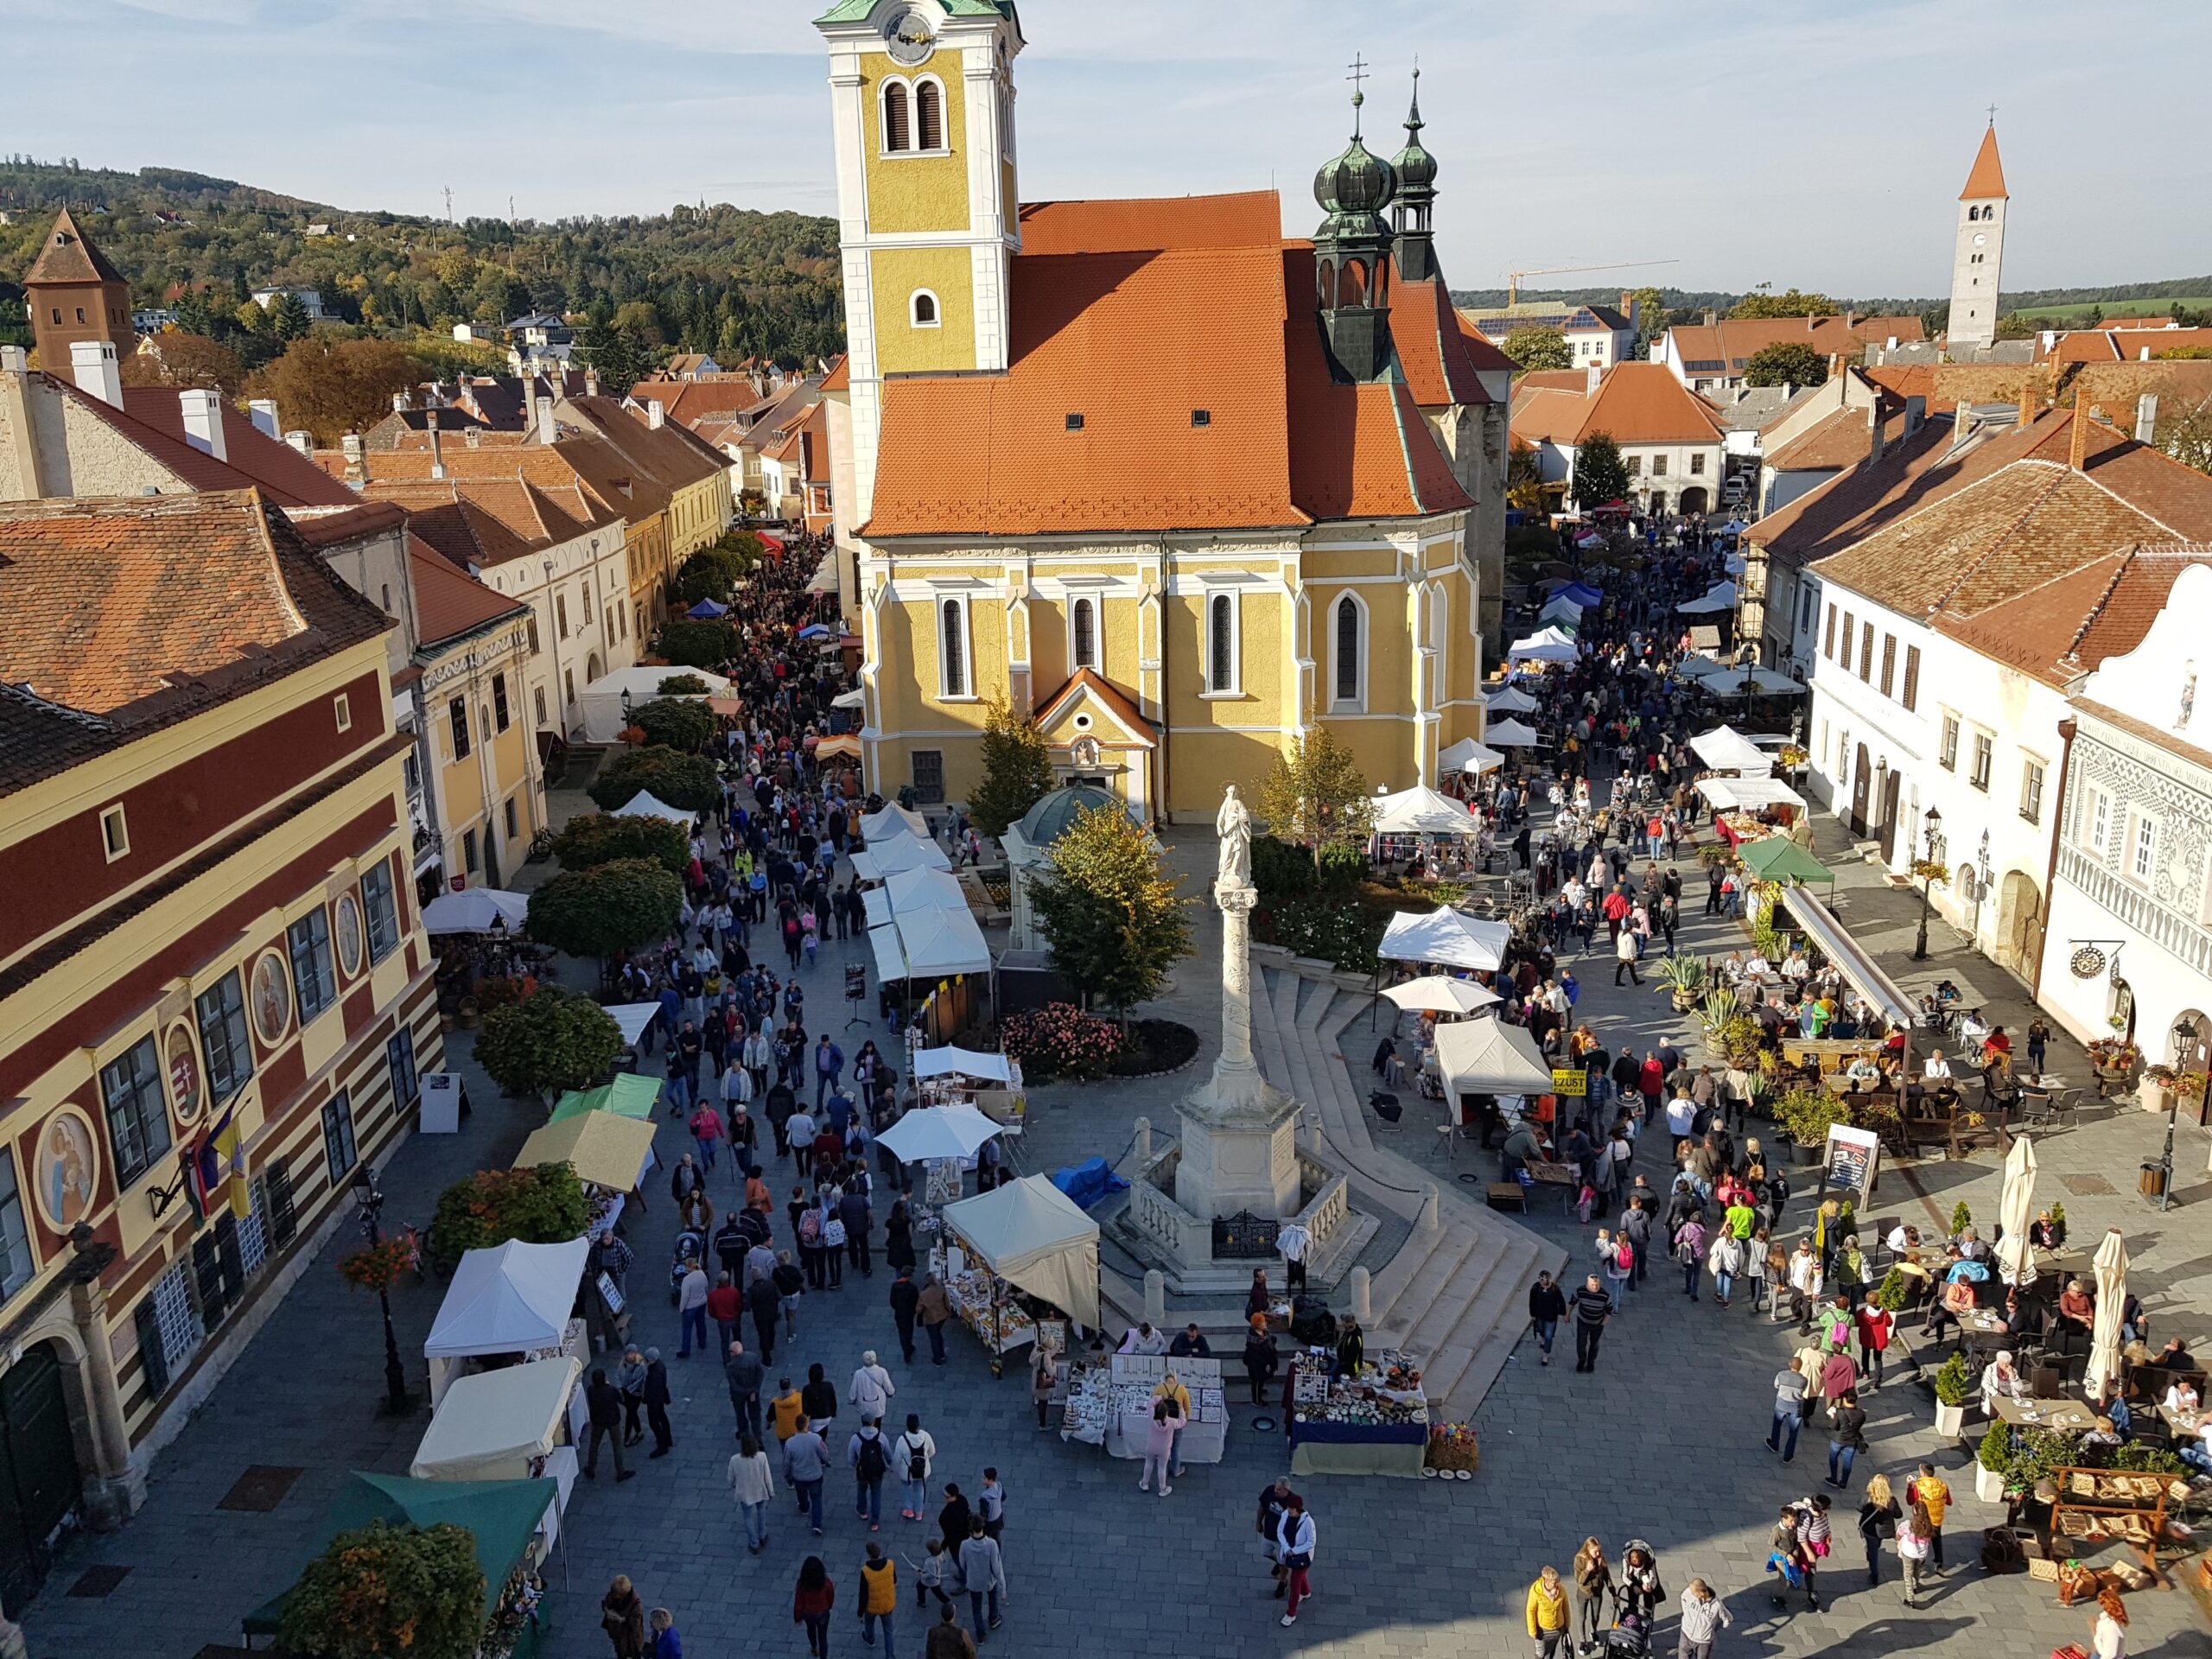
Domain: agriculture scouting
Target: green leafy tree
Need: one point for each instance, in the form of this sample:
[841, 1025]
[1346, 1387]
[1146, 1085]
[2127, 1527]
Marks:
[2013, 326]
[1017, 770]
[677, 722]
[1600, 474]
[595, 838]
[1524, 480]
[540, 1204]
[548, 1041]
[1111, 916]
[683, 685]
[605, 908]
[622, 356]
[1786, 362]
[698, 644]
[1316, 795]
[1787, 303]
[2188, 438]
[687, 781]
[710, 574]
[1652, 319]
[288, 316]
[1538, 348]
[335, 387]
[382, 1590]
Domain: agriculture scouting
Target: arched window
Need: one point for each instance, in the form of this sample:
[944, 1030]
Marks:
[924, 308]
[1351, 288]
[953, 662]
[1085, 625]
[1349, 632]
[1221, 644]
[929, 115]
[897, 134]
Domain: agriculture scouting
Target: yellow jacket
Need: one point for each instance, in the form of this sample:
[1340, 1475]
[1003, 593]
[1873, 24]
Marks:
[1547, 1608]
[879, 1588]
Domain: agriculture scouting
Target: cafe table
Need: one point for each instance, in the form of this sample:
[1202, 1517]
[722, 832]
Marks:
[2069, 1416]
[2185, 1424]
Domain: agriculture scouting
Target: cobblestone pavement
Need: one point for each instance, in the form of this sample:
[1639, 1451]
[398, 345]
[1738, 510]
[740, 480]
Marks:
[1663, 1442]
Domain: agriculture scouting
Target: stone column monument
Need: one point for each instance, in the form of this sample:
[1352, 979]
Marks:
[1239, 1133]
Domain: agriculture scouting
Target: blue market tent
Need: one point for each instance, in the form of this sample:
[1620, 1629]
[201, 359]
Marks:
[707, 609]
[1581, 593]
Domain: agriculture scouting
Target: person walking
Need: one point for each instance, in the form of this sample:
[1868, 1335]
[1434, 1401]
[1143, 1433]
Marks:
[1546, 1613]
[1294, 1542]
[603, 1403]
[872, 1388]
[1166, 1423]
[811, 1604]
[806, 1465]
[1878, 1516]
[982, 1569]
[1789, 1385]
[990, 1506]
[766, 1306]
[1275, 1499]
[1547, 1308]
[879, 1597]
[1704, 1617]
[933, 1310]
[905, 1302]
[1626, 944]
[1929, 1491]
[1689, 1253]
[1263, 1359]
[622, 1615]
[1592, 1307]
[947, 1640]
[656, 1399]
[1875, 1326]
[869, 1458]
[692, 1300]
[2108, 1628]
[661, 1640]
[911, 1454]
[752, 1483]
[1594, 1586]
[745, 1373]
[820, 1398]
[1846, 1437]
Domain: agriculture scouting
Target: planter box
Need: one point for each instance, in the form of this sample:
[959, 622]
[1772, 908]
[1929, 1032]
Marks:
[1988, 1486]
[1805, 1157]
[1950, 1421]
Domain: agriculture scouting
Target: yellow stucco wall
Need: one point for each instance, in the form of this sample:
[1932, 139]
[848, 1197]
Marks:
[910, 192]
[900, 347]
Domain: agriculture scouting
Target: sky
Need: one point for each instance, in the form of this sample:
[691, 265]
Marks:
[1821, 145]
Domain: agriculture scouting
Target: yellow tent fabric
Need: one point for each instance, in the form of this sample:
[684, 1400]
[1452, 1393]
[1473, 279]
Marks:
[605, 1150]
[490, 1425]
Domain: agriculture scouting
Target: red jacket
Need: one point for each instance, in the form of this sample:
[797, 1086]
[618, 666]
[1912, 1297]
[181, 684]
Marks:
[1874, 1326]
[805, 1601]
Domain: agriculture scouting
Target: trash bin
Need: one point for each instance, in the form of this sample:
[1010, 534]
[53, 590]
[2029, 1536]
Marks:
[2152, 1184]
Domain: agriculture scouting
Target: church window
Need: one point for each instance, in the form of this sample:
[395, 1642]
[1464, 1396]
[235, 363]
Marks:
[1350, 642]
[1085, 625]
[1220, 644]
[929, 115]
[924, 308]
[952, 649]
[897, 136]
[1352, 288]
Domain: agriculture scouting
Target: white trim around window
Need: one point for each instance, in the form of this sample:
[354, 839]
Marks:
[1223, 634]
[1348, 681]
[1081, 633]
[956, 648]
[917, 317]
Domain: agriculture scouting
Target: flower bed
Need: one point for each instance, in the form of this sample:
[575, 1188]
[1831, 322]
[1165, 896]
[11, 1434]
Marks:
[1153, 1047]
[1061, 1040]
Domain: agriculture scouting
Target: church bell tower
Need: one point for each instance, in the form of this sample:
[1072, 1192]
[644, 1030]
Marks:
[1977, 248]
[1352, 256]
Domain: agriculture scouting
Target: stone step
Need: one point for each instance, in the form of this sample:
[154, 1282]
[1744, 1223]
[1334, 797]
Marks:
[1428, 1330]
[1464, 1369]
[1429, 1286]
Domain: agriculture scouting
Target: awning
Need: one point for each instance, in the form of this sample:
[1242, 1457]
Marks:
[894, 819]
[1748, 794]
[706, 610]
[1728, 750]
[1033, 1236]
[831, 748]
[910, 893]
[854, 698]
[646, 805]
[1721, 596]
[631, 1095]
[473, 911]
[490, 1425]
[1422, 812]
[604, 1148]
[509, 1300]
[1551, 646]
[1467, 755]
[1866, 975]
[1439, 993]
[954, 1061]
[1512, 701]
[1488, 1057]
[1512, 735]
[1445, 936]
[1694, 667]
[1778, 858]
[1762, 682]
[632, 1019]
[884, 858]
[824, 579]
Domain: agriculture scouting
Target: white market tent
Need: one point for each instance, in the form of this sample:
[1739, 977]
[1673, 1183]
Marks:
[953, 1061]
[1439, 993]
[1488, 1057]
[881, 860]
[1562, 613]
[1727, 750]
[490, 1426]
[1446, 937]
[1419, 812]
[1512, 735]
[938, 1132]
[1748, 794]
[1032, 1235]
[893, 820]
[1512, 701]
[854, 698]
[1720, 597]
[1694, 667]
[601, 702]
[929, 944]
[911, 891]
[1731, 683]
[1467, 755]
[473, 911]
[632, 1019]
[1551, 646]
[646, 805]
[514, 1300]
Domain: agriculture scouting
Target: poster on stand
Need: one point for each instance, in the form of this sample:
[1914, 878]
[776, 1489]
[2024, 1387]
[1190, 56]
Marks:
[943, 1181]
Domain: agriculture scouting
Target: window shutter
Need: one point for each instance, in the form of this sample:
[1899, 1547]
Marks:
[155, 1362]
[1889, 661]
[207, 1275]
[1911, 676]
[1866, 651]
[283, 1218]
[929, 116]
[1828, 649]
[894, 118]
[1850, 632]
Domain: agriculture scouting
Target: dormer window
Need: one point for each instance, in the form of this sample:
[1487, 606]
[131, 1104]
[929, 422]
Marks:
[1075, 422]
[1202, 417]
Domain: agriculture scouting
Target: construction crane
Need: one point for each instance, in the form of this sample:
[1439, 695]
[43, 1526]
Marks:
[1513, 277]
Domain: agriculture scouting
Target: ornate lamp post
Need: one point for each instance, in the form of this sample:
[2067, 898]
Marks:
[1935, 824]
[2185, 1044]
[395, 1374]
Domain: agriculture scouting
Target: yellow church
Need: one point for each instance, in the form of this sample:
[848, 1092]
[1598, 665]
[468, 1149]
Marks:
[1180, 489]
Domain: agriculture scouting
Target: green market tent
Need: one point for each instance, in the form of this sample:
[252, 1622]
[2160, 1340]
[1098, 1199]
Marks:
[628, 1096]
[1778, 858]
[502, 1514]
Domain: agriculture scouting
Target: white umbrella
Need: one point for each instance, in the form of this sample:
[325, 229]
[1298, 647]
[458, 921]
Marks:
[2014, 1253]
[475, 910]
[854, 698]
[954, 1131]
[1694, 667]
[2112, 1296]
[1439, 994]
[1420, 812]
[1467, 755]
[1511, 734]
[1511, 702]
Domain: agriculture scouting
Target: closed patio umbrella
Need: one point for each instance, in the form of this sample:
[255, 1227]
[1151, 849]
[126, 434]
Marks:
[2014, 1207]
[2112, 1296]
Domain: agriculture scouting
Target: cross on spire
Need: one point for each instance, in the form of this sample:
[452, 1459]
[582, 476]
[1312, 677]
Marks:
[1358, 66]
[1993, 115]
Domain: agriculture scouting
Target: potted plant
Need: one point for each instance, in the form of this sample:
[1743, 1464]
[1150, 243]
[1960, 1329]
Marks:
[1684, 978]
[1954, 1386]
[2058, 1223]
[1889, 1295]
[1806, 1115]
[1961, 1218]
[1993, 1464]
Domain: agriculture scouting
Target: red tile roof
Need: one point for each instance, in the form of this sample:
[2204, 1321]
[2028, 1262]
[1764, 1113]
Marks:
[1133, 721]
[1730, 344]
[2068, 626]
[1433, 345]
[690, 401]
[1987, 178]
[1643, 402]
[1253, 220]
[450, 603]
[280, 472]
[840, 375]
[1840, 439]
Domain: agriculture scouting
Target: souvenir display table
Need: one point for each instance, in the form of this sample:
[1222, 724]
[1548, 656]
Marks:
[1375, 1423]
[985, 1303]
[1110, 1404]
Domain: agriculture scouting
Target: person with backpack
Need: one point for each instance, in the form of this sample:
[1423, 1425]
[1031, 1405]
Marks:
[1689, 1253]
[870, 1459]
[912, 1453]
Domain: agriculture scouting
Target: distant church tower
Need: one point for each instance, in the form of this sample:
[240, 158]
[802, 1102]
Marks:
[1978, 252]
[928, 215]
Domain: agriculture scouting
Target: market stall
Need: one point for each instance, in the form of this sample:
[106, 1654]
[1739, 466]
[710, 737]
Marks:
[474, 910]
[1488, 1057]
[507, 1518]
[887, 857]
[520, 1422]
[1467, 755]
[1447, 938]
[514, 1302]
[1725, 749]
[605, 705]
[632, 1019]
[1016, 1254]
[1373, 1422]
[990, 1082]
[646, 804]
[1108, 1401]
[1422, 812]
[628, 1096]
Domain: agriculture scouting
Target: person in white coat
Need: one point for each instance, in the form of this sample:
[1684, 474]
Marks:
[1294, 1537]
[753, 1483]
[913, 1455]
[872, 1388]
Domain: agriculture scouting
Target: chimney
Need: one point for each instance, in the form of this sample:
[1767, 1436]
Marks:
[94, 368]
[357, 469]
[14, 360]
[2078, 457]
[2146, 418]
[203, 421]
[591, 382]
[1915, 414]
[263, 410]
[1628, 307]
[546, 429]
[473, 436]
[437, 455]
[399, 402]
[1592, 378]
[1874, 435]
[657, 416]
[301, 440]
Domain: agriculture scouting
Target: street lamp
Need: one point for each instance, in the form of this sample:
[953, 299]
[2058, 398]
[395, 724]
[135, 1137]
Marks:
[1935, 822]
[2185, 1045]
[395, 1374]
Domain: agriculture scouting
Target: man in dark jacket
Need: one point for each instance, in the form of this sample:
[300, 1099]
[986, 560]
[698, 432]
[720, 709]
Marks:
[1547, 1308]
[656, 1397]
[744, 1374]
[1191, 1344]
[853, 1211]
[762, 1303]
[905, 1300]
[605, 1402]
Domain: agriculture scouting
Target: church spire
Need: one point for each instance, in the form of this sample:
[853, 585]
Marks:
[1416, 171]
[1351, 253]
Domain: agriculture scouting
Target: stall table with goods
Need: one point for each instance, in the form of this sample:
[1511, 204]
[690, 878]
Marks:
[1373, 1422]
[2117, 1506]
[1108, 1401]
[1018, 1253]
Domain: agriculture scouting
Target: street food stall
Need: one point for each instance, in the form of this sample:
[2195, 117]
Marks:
[952, 1073]
[510, 1303]
[511, 1424]
[1020, 1253]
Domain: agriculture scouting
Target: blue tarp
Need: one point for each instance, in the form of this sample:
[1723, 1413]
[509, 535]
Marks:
[1088, 1181]
[1580, 593]
[707, 609]
[814, 631]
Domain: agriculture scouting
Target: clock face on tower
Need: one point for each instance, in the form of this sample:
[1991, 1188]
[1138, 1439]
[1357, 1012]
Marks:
[908, 38]
[1980, 239]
